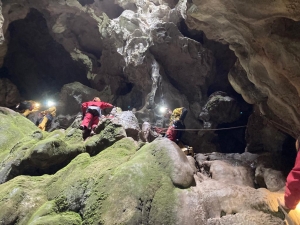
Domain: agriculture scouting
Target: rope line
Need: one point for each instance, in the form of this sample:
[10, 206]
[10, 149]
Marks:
[227, 128]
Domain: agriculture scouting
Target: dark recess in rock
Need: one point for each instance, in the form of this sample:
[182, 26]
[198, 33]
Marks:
[225, 59]
[111, 9]
[35, 62]
[286, 28]
[288, 155]
[125, 88]
[86, 2]
[233, 141]
[230, 141]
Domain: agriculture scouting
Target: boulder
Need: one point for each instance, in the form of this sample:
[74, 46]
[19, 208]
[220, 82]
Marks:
[9, 93]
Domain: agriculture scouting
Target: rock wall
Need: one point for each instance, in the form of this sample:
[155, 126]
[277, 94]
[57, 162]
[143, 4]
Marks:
[265, 38]
[112, 179]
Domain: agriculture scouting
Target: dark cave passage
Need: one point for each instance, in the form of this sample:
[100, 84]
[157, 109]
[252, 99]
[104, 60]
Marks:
[35, 62]
[230, 141]
[233, 140]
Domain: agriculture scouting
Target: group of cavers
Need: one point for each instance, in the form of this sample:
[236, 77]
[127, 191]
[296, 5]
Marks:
[45, 117]
[91, 113]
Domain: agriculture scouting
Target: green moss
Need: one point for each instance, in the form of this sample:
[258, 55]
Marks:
[61, 203]
[14, 127]
[47, 214]
[118, 186]
[136, 188]
[73, 136]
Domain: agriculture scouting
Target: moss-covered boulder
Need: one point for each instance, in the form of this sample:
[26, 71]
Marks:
[107, 133]
[25, 150]
[118, 186]
[117, 183]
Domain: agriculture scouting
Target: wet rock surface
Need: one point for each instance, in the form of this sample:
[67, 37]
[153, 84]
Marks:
[142, 55]
[9, 93]
[263, 47]
[154, 182]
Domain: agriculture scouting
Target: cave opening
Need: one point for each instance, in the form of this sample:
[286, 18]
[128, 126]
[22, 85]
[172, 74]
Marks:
[233, 140]
[288, 155]
[111, 9]
[35, 62]
[229, 141]
[86, 2]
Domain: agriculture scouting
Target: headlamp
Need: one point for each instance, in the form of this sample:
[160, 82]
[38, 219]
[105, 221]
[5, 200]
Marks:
[50, 103]
[162, 109]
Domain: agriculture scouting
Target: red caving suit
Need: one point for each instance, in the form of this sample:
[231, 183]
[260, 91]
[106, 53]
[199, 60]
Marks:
[292, 187]
[92, 111]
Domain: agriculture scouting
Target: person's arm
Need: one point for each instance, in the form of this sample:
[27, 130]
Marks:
[84, 107]
[183, 114]
[105, 105]
[292, 189]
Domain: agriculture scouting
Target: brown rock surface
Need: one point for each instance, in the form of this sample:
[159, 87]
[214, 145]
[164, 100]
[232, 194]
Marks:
[9, 93]
[266, 43]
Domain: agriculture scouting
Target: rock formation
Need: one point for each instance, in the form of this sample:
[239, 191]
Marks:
[266, 43]
[112, 179]
[142, 55]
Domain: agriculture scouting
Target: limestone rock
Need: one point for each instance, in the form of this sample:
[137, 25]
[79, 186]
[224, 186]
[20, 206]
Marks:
[265, 48]
[9, 93]
[272, 179]
[74, 94]
[107, 133]
[262, 136]
[220, 108]
[91, 187]
[130, 123]
[231, 173]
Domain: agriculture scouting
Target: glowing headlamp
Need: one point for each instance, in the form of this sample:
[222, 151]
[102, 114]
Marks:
[37, 105]
[163, 109]
[50, 103]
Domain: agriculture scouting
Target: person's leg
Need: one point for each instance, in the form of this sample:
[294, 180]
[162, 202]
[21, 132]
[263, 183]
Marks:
[94, 124]
[86, 120]
[26, 112]
[146, 129]
[42, 125]
[171, 133]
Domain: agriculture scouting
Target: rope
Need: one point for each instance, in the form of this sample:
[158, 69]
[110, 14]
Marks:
[228, 128]
[275, 123]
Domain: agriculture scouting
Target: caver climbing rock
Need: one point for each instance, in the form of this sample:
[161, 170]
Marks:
[91, 112]
[27, 107]
[43, 118]
[47, 117]
[176, 129]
